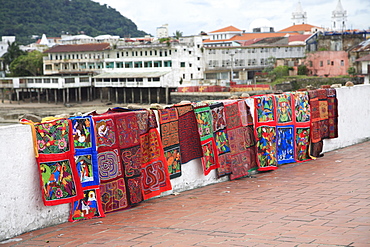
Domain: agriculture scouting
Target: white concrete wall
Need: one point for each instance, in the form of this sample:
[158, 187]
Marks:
[354, 117]
[21, 206]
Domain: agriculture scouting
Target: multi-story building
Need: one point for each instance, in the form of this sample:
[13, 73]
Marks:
[233, 55]
[143, 65]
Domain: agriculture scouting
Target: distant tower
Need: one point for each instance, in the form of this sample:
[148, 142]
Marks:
[339, 18]
[162, 32]
[299, 16]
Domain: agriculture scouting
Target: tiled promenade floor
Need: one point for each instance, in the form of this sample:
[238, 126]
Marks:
[325, 202]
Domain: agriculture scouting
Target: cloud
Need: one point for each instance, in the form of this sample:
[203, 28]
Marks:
[193, 16]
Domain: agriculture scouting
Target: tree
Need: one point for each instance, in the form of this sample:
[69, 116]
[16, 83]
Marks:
[280, 71]
[351, 71]
[12, 53]
[270, 64]
[302, 70]
[27, 65]
[177, 34]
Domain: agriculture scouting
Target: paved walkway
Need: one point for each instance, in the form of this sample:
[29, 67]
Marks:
[325, 202]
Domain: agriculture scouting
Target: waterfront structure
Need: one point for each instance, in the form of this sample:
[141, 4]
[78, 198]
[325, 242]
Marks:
[145, 66]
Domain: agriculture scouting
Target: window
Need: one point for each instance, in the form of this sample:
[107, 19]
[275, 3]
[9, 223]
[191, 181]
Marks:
[182, 64]
[157, 64]
[321, 63]
[328, 62]
[167, 63]
[109, 65]
[138, 64]
[119, 65]
[341, 62]
[128, 65]
[70, 80]
[147, 64]
[332, 63]
[48, 67]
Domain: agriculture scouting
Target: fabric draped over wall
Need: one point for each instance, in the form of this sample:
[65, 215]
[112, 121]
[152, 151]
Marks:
[56, 164]
[189, 139]
[204, 120]
[106, 162]
[90, 205]
[169, 128]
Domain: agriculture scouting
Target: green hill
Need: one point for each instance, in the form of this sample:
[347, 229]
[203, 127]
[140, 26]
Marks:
[24, 18]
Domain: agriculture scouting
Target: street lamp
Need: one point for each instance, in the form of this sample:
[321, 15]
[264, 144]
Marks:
[232, 54]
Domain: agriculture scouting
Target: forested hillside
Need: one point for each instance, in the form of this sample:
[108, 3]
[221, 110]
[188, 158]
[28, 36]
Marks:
[24, 18]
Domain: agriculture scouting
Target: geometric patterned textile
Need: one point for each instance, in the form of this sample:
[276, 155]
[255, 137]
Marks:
[169, 125]
[189, 139]
[155, 176]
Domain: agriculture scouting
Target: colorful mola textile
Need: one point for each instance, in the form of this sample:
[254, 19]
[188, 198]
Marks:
[285, 144]
[85, 150]
[59, 178]
[111, 172]
[87, 166]
[302, 113]
[189, 139]
[210, 157]
[89, 206]
[155, 176]
[169, 125]
[319, 122]
[221, 138]
[285, 147]
[266, 147]
[241, 139]
[332, 112]
[266, 136]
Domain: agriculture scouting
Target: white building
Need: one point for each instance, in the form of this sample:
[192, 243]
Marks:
[4, 43]
[339, 18]
[162, 32]
[131, 65]
[299, 16]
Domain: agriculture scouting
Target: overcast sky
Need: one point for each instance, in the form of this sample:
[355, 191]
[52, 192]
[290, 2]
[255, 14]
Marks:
[193, 16]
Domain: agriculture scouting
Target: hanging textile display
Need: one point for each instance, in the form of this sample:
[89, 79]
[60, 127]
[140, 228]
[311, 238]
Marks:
[129, 126]
[285, 143]
[205, 129]
[221, 138]
[332, 112]
[155, 176]
[189, 139]
[240, 139]
[266, 136]
[111, 172]
[87, 166]
[324, 122]
[319, 109]
[169, 130]
[59, 178]
[302, 116]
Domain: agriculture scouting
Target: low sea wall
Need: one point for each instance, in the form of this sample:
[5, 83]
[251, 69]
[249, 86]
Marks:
[21, 206]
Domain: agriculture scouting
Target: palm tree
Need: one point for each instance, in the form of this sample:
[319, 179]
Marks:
[12, 53]
[177, 34]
